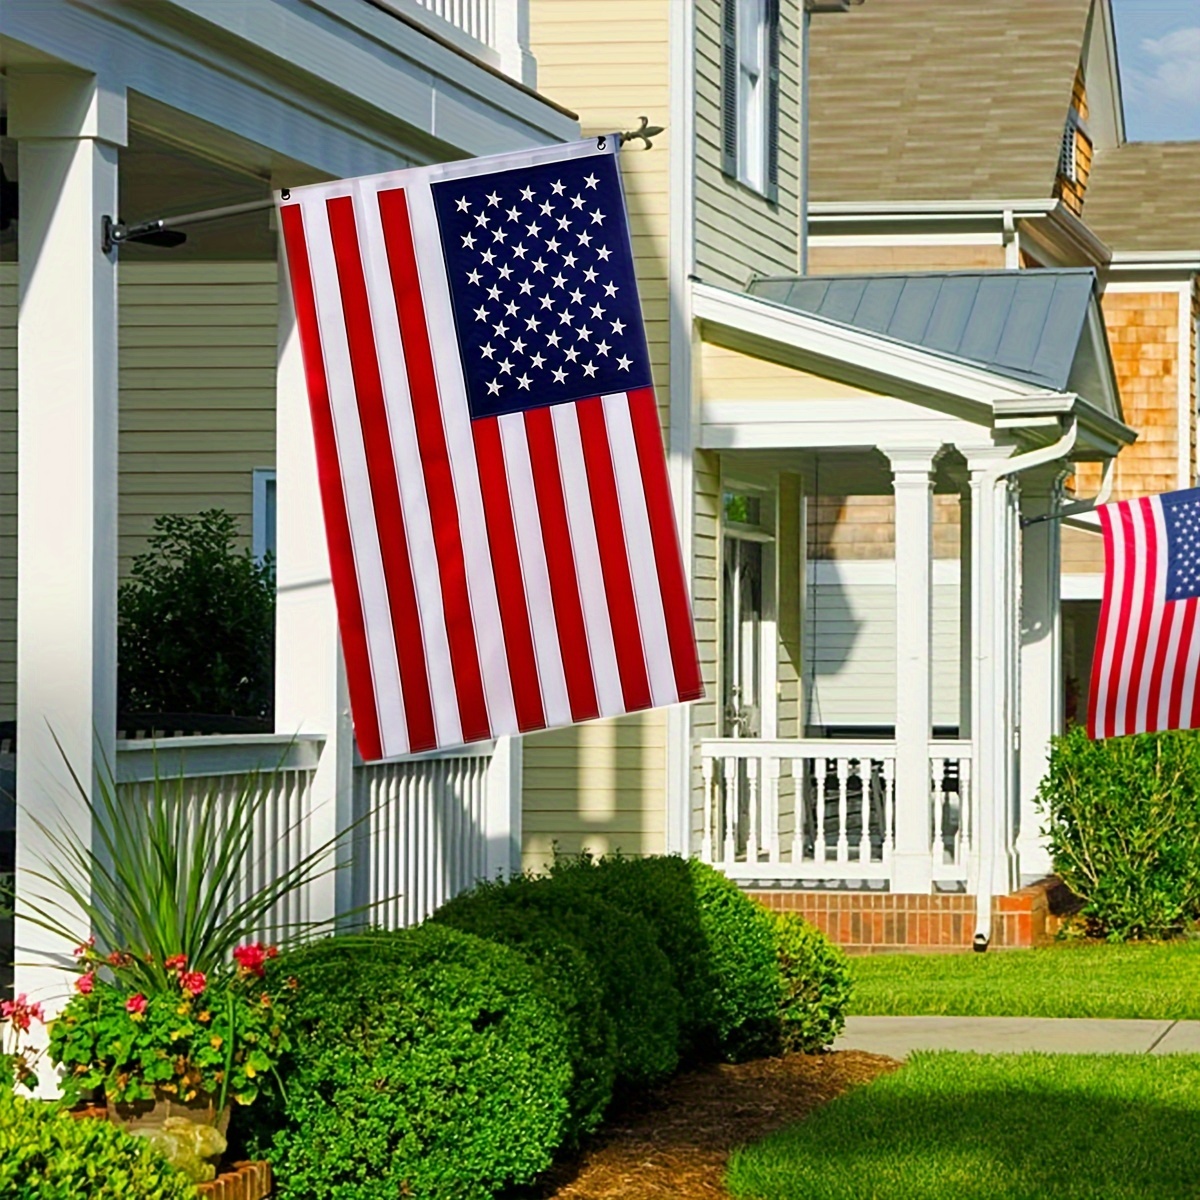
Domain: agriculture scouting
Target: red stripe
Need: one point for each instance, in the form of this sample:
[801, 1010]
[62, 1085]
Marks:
[337, 524]
[506, 566]
[1187, 614]
[1154, 700]
[1119, 525]
[435, 461]
[1095, 700]
[1134, 723]
[668, 557]
[381, 469]
[560, 562]
[614, 555]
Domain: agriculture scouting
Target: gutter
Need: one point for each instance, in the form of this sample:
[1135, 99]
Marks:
[988, 849]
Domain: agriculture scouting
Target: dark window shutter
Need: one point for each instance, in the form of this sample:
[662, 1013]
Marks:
[729, 81]
[773, 101]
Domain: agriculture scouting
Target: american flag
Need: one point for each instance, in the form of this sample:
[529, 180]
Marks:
[502, 542]
[1147, 644]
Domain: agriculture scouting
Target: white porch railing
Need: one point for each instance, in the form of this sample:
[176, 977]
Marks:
[825, 810]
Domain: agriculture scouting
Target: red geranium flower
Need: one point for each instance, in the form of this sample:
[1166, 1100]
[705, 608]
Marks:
[192, 982]
[176, 962]
[20, 1012]
[85, 983]
[251, 957]
[84, 947]
[136, 1004]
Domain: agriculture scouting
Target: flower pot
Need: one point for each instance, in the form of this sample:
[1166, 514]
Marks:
[144, 1116]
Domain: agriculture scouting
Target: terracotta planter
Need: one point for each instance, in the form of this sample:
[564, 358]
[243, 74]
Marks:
[142, 1116]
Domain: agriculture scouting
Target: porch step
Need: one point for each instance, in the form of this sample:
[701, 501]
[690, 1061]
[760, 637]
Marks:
[887, 922]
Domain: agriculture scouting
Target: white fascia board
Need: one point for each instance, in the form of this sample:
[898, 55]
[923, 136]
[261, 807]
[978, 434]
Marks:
[1181, 260]
[891, 363]
[1016, 413]
[898, 210]
[308, 87]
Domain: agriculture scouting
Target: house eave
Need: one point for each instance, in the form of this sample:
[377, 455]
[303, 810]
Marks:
[1101, 435]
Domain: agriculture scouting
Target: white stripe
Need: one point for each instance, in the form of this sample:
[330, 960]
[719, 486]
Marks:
[639, 546]
[1116, 573]
[532, 550]
[414, 501]
[1145, 712]
[352, 459]
[588, 571]
[1187, 705]
[1172, 665]
[1137, 553]
[456, 419]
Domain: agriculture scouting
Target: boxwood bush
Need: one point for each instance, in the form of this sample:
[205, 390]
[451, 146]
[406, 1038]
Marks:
[1123, 819]
[426, 1063]
[46, 1154]
[815, 986]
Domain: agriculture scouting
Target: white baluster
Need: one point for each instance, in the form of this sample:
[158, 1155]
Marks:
[964, 810]
[752, 766]
[937, 799]
[819, 774]
[729, 849]
[706, 838]
[799, 783]
[864, 837]
[771, 809]
[889, 808]
[843, 841]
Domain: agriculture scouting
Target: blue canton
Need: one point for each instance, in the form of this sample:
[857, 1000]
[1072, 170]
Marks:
[1181, 516]
[542, 285]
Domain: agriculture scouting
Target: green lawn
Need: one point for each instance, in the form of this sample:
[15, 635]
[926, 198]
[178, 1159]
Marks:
[1004, 1127]
[1155, 980]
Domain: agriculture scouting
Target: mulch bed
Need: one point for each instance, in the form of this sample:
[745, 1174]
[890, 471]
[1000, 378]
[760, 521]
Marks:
[674, 1141]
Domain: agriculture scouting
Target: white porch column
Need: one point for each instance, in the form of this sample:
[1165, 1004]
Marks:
[995, 571]
[310, 677]
[912, 482]
[1041, 660]
[68, 129]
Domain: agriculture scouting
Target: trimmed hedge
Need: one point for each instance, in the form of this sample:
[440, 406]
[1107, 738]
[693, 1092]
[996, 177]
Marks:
[426, 1063]
[815, 985]
[46, 1154]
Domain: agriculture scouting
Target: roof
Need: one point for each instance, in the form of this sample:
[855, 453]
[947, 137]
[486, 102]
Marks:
[924, 100]
[1025, 325]
[1142, 196]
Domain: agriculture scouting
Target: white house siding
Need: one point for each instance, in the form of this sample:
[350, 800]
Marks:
[850, 640]
[739, 232]
[8, 491]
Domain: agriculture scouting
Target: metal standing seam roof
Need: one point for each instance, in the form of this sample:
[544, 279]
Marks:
[1025, 325]
[925, 100]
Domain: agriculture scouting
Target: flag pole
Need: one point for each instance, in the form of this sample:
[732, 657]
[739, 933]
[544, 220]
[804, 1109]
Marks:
[1079, 507]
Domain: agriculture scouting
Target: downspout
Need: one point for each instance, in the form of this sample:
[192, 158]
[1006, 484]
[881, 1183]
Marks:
[989, 840]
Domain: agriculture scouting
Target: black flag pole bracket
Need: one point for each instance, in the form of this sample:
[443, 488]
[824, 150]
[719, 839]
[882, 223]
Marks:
[1079, 507]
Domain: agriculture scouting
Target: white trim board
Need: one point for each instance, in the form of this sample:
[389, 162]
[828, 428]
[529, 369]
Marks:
[876, 572]
[1087, 585]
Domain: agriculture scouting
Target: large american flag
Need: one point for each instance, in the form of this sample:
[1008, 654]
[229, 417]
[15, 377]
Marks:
[1144, 670]
[502, 542]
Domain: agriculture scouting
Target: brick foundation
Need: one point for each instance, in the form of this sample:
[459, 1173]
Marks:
[886, 922]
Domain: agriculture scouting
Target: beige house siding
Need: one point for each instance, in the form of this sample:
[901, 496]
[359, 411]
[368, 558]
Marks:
[739, 232]
[706, 591]
[602, 786]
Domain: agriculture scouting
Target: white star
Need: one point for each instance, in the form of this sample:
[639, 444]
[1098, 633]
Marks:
[536, 360]
[576, 297]
[493, 199]
[576, 201]
[597, 217]
[524, 382]
[610, 289]
[462, 204]
[623, 363]
[546, 208]
[559, 280]
[597, 311]
[568, 260]
[565, 317]
[590, 275]
[559, 374]
[498, 235]
[527, 194]
[494, 387]
[468, 241]
[488, 257]
[518, 346]
[603, 253]
[618, 327]
[505, 271]
[487, 351]
[571, 353]
[513, 215]
[602, 348]
[591, 181]
[557, 187]
[534, 229]
[481, 218]
[511, 308]
[481, 313]
[493, 292]
[552, 244]
[563, 223]
[473, 276]
[589, 369]
[506, 367]
[553, 339]
[539, 266]
[518, 252]
[532, 323]
[501, 330]
[583, 332]
[585, 238]
[546, 301]
[525, 287]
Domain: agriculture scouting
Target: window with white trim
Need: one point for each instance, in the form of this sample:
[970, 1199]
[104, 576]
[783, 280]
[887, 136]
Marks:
[262, 513]
[750, 93]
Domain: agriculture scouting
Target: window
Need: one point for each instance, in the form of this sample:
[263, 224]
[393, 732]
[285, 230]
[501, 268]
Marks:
[750, 93]
[263, 513]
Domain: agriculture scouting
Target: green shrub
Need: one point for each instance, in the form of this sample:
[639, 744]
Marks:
[1123, 819]
[717, 941]
[46, 1154]
[196, 623]
[640, 1000]
[425, 1063]
[571, 982]
[814, 982]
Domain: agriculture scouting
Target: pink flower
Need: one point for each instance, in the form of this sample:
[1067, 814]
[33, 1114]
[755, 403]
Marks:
[251, 957]
[192, 982]
[20, 1012]
[177, 962]
[84, 947]
[136, 1004]
[85, 983]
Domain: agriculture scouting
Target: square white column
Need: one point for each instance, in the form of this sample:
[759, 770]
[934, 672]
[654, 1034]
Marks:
[1041, 660]
[68, 129]
[912, 483]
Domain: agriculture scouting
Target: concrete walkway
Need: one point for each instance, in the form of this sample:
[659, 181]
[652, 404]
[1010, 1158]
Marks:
[898, 1037]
